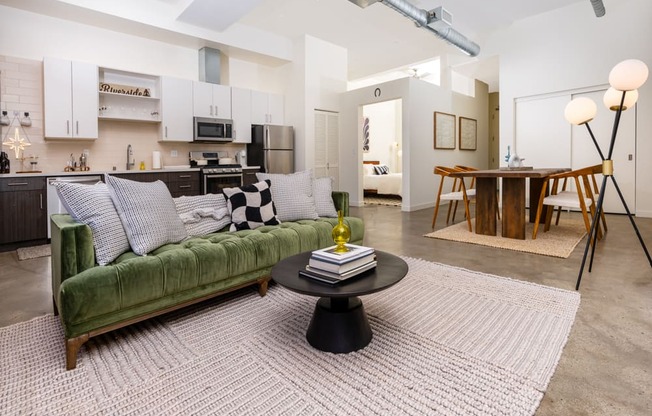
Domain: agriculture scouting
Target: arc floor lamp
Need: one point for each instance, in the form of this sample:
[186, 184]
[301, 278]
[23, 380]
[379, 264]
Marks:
[625, 78]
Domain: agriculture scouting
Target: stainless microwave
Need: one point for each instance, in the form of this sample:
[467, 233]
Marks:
[212, 129]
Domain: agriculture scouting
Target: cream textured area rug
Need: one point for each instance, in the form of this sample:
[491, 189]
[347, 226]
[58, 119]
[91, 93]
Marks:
[34, 252]
[560, 241]
[445, 341]
[391, 200]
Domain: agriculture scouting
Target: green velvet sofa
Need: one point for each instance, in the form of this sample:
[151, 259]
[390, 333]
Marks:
[92, 299]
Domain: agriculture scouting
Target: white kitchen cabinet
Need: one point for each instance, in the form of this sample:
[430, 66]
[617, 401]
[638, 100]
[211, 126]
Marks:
[241, 111]
[267, 108]
[176, 110]
[70, 99]
[211, 100]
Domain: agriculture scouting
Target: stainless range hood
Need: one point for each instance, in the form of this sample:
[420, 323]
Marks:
[209, 65]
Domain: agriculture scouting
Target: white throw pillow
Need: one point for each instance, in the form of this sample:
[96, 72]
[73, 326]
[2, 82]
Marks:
[323, 191]
[203, 214]
[147, 212]
[292, 195]
[368, 170]
[92, 205]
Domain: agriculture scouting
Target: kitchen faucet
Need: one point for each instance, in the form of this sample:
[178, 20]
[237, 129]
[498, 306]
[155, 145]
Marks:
[130, 157]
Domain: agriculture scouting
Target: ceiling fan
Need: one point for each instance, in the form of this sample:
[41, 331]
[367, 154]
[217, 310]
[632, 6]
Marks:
[415, 73]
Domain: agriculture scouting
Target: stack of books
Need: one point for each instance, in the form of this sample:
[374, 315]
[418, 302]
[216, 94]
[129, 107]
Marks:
[330, 267]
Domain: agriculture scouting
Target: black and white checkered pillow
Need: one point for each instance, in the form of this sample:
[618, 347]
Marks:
[381, 169]
[292, 195]
[92, 205]
[147, 212]
[251, 206]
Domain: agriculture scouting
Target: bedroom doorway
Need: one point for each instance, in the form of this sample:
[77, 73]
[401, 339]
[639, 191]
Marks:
[382, 144]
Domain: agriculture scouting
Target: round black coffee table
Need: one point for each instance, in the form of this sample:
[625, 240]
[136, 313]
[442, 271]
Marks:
[339, 323]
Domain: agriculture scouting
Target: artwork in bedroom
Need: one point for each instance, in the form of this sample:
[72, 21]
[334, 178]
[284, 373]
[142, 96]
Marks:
[365, 135]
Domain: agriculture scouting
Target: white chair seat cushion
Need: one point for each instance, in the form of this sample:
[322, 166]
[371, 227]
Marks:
[566, 199]
[458, 196]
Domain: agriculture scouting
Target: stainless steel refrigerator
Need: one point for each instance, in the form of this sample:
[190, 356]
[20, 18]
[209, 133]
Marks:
[271, 148]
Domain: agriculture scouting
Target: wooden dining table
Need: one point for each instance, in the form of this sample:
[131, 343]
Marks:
[513, 197]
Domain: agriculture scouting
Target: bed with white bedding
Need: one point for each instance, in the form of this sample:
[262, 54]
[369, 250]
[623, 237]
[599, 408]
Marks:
[385, 184]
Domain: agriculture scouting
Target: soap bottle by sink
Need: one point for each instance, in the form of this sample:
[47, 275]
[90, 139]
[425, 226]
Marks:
[131, 162]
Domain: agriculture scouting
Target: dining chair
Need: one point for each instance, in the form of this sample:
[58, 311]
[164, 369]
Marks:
[590, 173]
[458, 192]
[581, 198]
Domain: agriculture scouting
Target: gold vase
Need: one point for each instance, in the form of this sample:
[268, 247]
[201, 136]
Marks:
[341, 234]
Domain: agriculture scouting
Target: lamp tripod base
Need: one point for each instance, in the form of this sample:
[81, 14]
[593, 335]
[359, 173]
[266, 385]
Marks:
[593, 233]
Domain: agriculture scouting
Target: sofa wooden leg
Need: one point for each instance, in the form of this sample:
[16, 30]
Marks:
[72, 348]
[262, 287]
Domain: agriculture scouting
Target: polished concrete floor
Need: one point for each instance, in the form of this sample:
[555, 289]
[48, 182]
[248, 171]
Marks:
[606, 366]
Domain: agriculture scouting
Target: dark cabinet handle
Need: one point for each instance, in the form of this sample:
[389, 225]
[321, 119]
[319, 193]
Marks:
[18, 184]
[185, 186]
[184, 176]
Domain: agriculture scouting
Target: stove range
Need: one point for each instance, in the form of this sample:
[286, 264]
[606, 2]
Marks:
[216, 176]
[208, 162]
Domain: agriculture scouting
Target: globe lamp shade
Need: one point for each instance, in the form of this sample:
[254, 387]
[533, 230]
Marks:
[612, 99]
[628, 75]
[580, 110]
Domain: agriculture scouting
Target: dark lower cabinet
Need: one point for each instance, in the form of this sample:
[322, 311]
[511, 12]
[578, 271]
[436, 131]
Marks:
[179, 183]
[23, 208]
[184, 183]
[249, 176]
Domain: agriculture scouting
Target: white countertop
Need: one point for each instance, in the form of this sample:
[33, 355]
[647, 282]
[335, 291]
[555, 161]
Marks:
[91, 172]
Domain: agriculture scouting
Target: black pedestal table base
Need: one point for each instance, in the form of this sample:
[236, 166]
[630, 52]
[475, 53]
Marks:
[339, 325]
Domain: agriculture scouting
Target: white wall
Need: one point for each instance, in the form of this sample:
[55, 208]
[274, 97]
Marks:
[578, 53]
[33, 36]
[419, 102]
[316, 79]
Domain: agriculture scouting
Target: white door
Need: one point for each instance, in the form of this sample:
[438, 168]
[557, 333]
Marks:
[542, 133]
[327, 145]
[585, 154]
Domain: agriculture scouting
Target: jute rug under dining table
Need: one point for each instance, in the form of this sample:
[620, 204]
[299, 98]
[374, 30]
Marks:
[560, 241]
[445, 341]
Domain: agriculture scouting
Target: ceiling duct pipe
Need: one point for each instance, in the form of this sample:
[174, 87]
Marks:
[429, 20]
[598, 7]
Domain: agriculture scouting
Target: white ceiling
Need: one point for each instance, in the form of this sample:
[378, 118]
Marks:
[378, 39]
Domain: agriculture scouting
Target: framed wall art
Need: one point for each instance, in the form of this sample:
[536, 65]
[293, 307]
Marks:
[444, 130]
[468, 133]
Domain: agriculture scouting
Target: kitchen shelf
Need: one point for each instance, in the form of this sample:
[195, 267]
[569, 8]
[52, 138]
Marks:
[125, 107]
[127, 96]
[134, 119]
